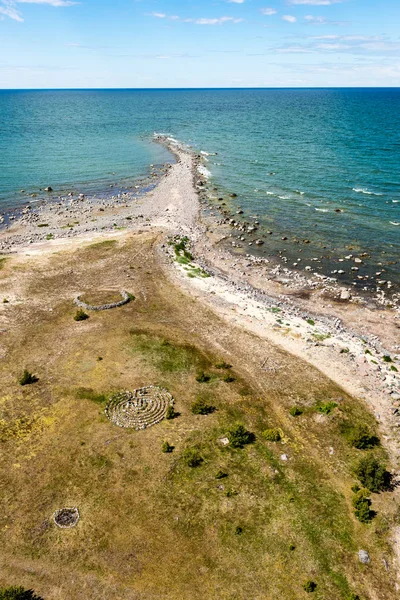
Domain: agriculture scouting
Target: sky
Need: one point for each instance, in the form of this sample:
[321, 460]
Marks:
[199, 43]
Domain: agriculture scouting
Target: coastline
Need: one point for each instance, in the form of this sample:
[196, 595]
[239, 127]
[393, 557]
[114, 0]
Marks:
[343, 339]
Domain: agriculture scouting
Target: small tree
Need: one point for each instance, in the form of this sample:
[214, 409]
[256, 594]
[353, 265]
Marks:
[166, 447]
[362, 504]
[202, 377]
[28, 378]
[200, 407]
[309, 586]
[170, 414]
[272, 435]
[239, 437]
[372, 474]
[18, 593]
[80, 315]
[295, 411]
[192, 457]
[361, 437]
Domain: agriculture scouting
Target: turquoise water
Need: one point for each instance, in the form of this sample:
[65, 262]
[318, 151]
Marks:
[292, 156]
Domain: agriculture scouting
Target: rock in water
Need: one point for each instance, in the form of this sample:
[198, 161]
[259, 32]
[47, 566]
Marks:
[48, 189]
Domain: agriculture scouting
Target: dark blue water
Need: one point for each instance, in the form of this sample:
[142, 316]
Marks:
[295, 157]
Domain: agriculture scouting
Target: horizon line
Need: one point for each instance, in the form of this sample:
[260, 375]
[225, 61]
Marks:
[199, 88]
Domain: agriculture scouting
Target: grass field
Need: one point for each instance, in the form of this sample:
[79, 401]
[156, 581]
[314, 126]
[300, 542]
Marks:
[244, 523]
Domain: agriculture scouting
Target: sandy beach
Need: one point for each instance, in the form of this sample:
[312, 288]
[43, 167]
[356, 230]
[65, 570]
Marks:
[356, 344]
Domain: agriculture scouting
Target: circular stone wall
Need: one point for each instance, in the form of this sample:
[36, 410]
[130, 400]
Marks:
[66, 517]
[139, 409]
[125, 299]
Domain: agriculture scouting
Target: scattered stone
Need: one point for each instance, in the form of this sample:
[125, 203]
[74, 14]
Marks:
[65, 518]
[139, 409]
[364, 557]
[48, 189]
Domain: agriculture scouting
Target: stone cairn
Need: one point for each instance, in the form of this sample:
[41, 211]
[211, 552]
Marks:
[66, 517]
[125, 299]
[139, 409]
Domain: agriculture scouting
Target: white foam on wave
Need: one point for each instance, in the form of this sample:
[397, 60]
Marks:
[204, 171]
[284, 197]
[325, 210]
[367, 192]
[395, 201]
[394, 223]
[270, 193]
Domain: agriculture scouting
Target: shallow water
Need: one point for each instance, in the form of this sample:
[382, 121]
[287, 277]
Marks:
[292, 156]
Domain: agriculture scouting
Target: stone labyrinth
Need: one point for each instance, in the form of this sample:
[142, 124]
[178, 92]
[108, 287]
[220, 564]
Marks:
[139, 409]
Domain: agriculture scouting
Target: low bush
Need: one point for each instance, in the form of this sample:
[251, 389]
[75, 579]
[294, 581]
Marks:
[192, 457]
[361, 437]
[229, 379]
[200, 407]
[18, 593]
[167, 448]
[170, 414]
[362, 504]
[202, 377]
[309, 586]
[239, 437]
[326, 408]
[372, 474]
[80, 315]
[295, 411]
[353, 597]
[238, 530]
[272, 435]
[223, 365]
[28, 378]
[221, 475]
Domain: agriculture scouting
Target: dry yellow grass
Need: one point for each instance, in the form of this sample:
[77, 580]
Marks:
[151, 527]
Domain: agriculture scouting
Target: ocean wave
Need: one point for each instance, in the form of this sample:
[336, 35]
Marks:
[284, 197]
[325, 210]
[395, 201]
[204, 171]
[367, 192]
[394, 223]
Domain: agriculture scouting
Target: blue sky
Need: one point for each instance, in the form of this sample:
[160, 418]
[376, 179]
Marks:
[199, 43]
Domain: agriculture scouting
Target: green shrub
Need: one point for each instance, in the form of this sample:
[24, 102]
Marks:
[229, 379]
[239, 437]
[372, 474]
[362, 504]
[28, 378]
[80, 315]
[361, 437]
[18, 593]
[200, 407]
[353, 597]
[387, 359]
[272, 435]
[238, 530]
[311, 322]
[192, 457]
[326, 408]
[170, 414]
[223, 365]
[166, 447]
[295, 411]
[309, 586]
[221, 475]
[202, 377]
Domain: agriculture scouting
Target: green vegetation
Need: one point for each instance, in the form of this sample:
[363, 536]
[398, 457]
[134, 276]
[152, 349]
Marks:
[2, 262]
[43, 225]
[239, 437]
[18, 593]
[309, 586]
[295, 411]
[167, 448]
[362, 503]
[80, 315]
[229, 378]
[89, 394]
[202, 377]
[192, 457]
[223, 365]
[372, 474]
[201, 407]
[170, 414]
[359, 436]
[272, 435]
[326, 407]
[27, 378]
[166, 356]
[311, 322]
[49, 236]
[221, 475]
[238, 530]
[387, 359]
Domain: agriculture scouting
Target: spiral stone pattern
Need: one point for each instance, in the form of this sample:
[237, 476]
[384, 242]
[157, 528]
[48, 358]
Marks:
[139, 409]
[65, 518]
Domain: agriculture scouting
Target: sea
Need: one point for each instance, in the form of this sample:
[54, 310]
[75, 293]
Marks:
[321, 165]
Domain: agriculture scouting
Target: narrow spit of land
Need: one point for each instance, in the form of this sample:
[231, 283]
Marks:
[196, 306]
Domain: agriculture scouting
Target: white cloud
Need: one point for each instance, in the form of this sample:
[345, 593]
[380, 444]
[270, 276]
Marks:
[289, 18]
[9, 8]
[158, 15]
[316, 20]
[215, 21]
[315, 2]
[269, 11]
[236, 1]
